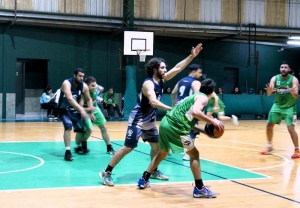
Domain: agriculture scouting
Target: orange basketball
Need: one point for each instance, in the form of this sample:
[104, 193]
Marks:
[213, 131]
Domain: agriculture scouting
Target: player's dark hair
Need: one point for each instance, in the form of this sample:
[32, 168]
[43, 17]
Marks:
[194, 67]
[286, 62]
[153, 63]
[78, 70]
[89, 80]
[207, 86]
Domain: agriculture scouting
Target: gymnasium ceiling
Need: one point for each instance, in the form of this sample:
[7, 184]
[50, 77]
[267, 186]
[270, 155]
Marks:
[203, 32]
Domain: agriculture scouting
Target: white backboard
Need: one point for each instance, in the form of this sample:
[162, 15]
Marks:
[138, 40]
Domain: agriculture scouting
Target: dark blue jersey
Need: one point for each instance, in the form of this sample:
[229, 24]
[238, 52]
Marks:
[76, 94]
[144, 115]
[185, 88]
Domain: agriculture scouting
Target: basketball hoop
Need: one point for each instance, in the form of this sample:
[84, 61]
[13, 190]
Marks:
[142, 56]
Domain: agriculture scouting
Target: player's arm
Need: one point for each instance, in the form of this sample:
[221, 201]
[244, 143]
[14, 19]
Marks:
[181, 65]
[174, 94]
[196, 85]
[87, 98]
[216, 97]
[148, 91]
[66, 89]
[295, 88]
[199, 105]
[270, 86]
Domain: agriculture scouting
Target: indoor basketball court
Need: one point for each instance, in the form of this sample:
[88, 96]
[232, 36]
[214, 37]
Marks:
[33, 168]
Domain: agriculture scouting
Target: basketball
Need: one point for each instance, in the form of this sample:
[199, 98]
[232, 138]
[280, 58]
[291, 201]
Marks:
[212, 131]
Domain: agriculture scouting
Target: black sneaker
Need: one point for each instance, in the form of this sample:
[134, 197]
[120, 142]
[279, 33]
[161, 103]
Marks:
[79, 150]
[111, 151]
[84, 147]
[68, 155]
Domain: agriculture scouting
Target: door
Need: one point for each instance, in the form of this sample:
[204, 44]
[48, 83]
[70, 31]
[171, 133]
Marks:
[230, 79]
[20, 87]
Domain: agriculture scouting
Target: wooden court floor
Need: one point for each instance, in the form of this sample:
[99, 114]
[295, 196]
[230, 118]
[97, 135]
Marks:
[239, 147]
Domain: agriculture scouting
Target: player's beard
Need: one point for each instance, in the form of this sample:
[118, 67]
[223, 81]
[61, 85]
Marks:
[77, 82]
[159, 75]
[284, 74]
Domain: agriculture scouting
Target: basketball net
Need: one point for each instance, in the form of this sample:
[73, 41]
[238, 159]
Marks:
[142, 56]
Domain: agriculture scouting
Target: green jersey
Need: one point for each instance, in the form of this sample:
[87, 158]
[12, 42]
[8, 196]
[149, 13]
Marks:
[283, 97]
[180, 116]
[94, 98]
[220, 102]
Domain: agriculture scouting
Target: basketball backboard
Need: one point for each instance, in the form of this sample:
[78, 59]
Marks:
[138, 41]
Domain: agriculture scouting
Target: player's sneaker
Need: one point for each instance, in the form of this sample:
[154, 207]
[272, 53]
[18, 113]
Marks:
[159, 175]
[235, 120]
[268, 151]
[186, 157]
[205, 192]
[111, 151]
[106, 178]
[296, 154]
[68, 155]
[84, 147]
[143, 184]
[79, 150]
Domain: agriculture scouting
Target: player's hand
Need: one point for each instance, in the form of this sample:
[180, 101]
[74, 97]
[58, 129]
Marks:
[84, 114]
[219, 124]
[93, 118]
[195, 51]
[269, 89]
[216, 109]
[293, 90]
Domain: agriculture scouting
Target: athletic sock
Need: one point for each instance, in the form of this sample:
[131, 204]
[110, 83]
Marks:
[68, 148]
[146, 175]
[199, 184]
[109, 147]
[155, 169]
[109, 169]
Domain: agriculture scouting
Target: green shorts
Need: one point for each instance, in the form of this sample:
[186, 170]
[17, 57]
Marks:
[170, 136]
[100, 119]
[276, 114]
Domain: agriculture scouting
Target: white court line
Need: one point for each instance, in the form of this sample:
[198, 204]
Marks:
[275, 166]
[25, 169]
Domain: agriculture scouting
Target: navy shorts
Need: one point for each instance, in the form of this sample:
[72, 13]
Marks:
[71, 118]
[134, 133]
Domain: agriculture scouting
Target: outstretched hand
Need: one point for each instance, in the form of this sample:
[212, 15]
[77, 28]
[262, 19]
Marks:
[269, 89]
[196, 50]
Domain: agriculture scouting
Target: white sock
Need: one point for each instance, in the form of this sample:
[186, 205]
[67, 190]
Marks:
[68, 148]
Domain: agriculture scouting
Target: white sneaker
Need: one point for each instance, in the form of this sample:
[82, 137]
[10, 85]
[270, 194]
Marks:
[170, 153]
[235, 120]
[186, 157]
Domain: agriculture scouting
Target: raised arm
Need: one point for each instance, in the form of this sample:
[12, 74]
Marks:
[174, 94]
[181, 65]
[148, 91]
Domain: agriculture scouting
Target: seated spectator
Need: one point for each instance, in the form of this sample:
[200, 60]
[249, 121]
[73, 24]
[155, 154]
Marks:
[220, 91]
[260, 92]
[236, 91]
[110, 103]
[251, 91]
[47, 101]
[167, 90]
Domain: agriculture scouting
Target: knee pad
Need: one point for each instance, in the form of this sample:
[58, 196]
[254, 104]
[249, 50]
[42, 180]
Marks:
[187, 142]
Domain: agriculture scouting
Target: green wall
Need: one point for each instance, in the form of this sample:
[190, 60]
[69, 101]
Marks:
[98, 54]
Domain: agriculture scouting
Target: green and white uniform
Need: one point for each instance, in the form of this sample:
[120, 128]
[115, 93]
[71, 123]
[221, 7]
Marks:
[175, 126]
[285, 104]
[100, 119]
[212, 104]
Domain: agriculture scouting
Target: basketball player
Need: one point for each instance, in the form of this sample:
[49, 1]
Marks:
[142, 118]
[217, 106]
[185, 87]
[96, 118]
[71, 112]
[174, 134]
[285, 87]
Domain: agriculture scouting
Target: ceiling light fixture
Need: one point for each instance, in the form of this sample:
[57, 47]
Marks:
[295, 37]
[293, 42]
